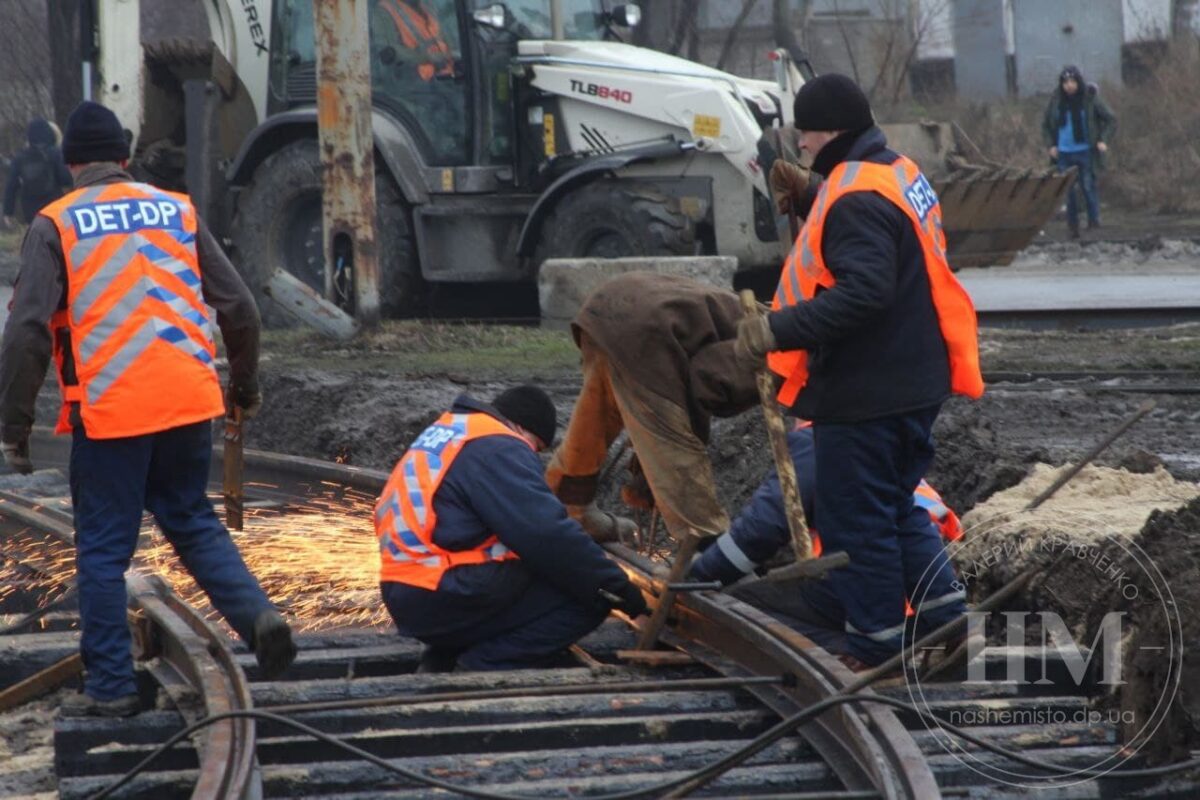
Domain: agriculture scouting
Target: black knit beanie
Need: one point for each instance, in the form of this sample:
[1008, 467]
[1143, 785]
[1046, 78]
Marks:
[832, 102]
[93, 134]
[531, 408]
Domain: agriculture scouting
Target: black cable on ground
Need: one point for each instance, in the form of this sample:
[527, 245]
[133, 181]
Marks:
[679, 787]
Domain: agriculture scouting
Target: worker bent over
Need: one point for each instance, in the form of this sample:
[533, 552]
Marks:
[871, 333]
[118, 278]
[659, 362]
[478, 559]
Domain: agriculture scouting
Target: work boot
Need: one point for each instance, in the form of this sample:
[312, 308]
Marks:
[273, 645]
[601, 525]
[84, 705]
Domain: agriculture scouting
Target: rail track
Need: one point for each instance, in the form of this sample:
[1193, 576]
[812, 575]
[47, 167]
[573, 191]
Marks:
[593, 725]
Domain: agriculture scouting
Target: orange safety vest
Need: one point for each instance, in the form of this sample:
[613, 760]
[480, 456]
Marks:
[946, 520]
[804, 270]
[419, 31]
[136, 325]
[404, 516]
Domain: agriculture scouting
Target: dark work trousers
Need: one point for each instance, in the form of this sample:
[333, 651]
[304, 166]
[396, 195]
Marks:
[112, 482]
[1085, 181]
[865, 476]
[543, 621]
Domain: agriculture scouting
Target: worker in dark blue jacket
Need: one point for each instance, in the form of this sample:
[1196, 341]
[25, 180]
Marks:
[480, 560]
[812, 607]
[871, 332]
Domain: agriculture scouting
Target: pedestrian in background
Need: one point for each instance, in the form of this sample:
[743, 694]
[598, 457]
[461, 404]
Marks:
[37, 174]
[117, 280]
[1076, 128]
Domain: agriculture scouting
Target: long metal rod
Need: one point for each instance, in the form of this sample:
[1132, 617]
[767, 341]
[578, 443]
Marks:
[1144, 409]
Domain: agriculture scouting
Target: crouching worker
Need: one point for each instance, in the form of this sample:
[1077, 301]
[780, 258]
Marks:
[480, 561]
[812, 607]
[659, 362]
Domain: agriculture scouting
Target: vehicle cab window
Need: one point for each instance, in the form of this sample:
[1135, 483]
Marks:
[417, 71]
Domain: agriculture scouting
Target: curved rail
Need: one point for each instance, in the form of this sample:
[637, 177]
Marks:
[867, 748]
[190, 651]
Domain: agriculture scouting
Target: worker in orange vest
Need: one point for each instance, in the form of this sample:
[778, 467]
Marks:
[419, 37]
[117, 281]
[871, 333]
[478, 559]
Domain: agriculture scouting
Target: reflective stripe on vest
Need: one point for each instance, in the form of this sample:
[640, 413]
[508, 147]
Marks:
[946, 520]
[805, 270]
[404, 517]
[136, 326]
[419, 31]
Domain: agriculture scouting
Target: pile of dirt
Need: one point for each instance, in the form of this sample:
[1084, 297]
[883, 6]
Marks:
[970, 465]
[1088, 519]
[1171, 540]
[1109, 541]
[365, 418]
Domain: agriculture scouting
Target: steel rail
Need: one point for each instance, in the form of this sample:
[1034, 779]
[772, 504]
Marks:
[176, 633]
[868, 749]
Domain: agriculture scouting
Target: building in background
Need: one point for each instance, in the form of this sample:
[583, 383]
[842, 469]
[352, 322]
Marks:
[935, 48]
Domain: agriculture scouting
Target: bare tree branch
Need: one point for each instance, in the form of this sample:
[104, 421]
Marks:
[734, 29]
[686, 23]
[781, 24]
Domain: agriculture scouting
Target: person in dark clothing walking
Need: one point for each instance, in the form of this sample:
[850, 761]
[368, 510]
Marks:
[118, 281]
[478, 559]
[1076, 128]
[871, 332]
[37, 175]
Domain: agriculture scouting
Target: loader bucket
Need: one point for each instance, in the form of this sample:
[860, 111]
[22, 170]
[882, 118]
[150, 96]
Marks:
[990, 212]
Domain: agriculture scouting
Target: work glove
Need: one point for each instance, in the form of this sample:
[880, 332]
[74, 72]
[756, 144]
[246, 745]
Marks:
[788, 184]
[632, 604]
[250, 402]
[754, 341]
[16, 455]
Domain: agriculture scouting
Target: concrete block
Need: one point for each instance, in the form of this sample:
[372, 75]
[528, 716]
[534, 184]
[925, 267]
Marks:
[563, 283]
[300, 302]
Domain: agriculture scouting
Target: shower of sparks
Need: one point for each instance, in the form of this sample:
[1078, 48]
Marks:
[318, 561]
[34, 567]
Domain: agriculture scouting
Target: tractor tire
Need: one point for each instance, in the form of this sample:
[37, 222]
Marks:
[615, 219]
[278, 222]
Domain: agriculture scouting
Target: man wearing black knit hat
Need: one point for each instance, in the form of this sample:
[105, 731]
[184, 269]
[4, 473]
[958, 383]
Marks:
[871, 333]
[478, 559]
[117, 281]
